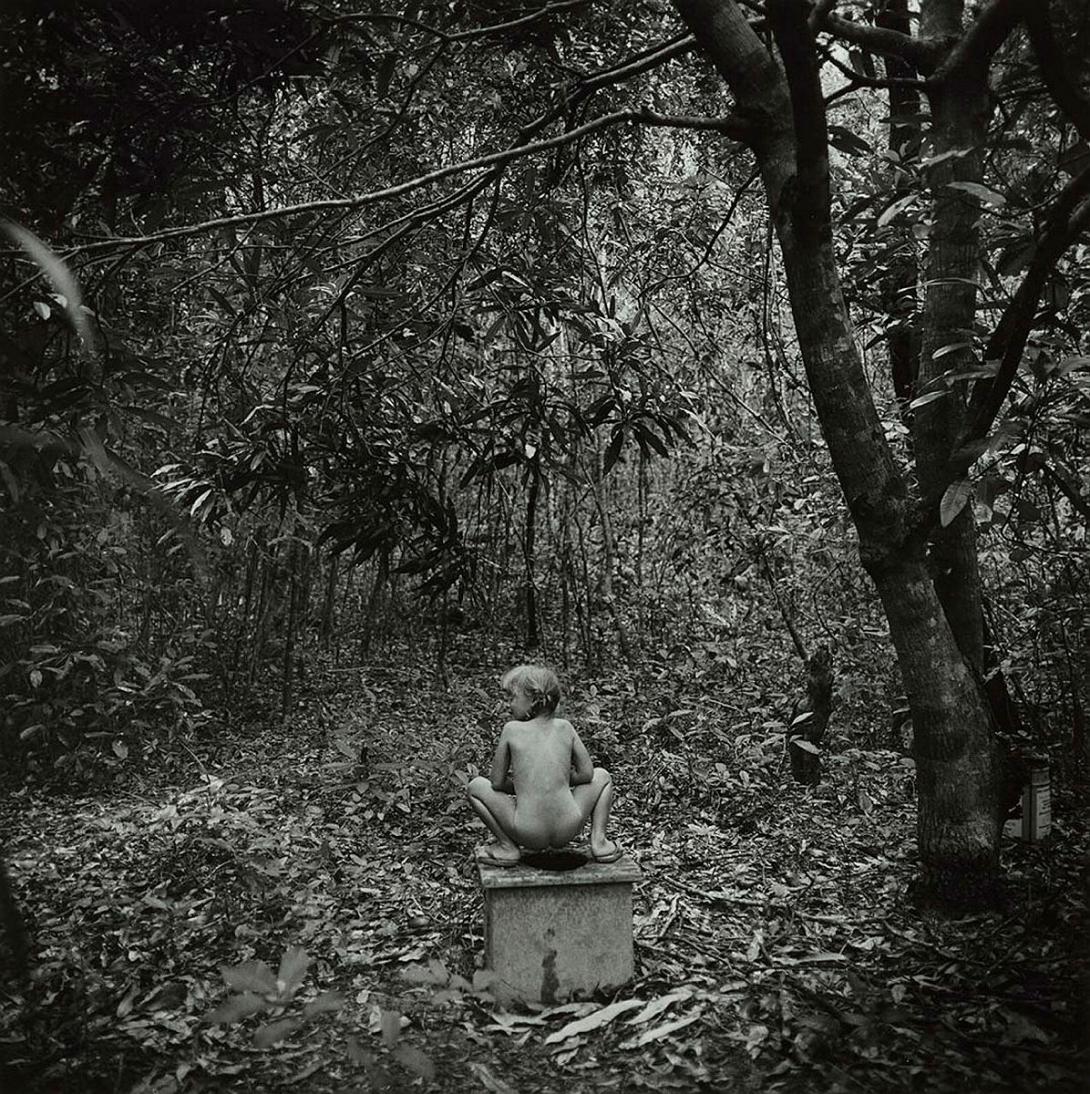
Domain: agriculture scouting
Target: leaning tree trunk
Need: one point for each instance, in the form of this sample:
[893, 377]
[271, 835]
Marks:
[899, 285]
[782, 116]
[959, 107]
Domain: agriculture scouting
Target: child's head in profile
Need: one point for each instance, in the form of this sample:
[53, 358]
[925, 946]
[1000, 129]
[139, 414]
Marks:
[534, 691]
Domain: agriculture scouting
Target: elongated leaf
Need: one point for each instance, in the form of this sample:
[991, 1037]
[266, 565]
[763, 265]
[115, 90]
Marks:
[657, 1006]
[985, 193]
[329, 1002]
[593, 1021]
[273, 1032]
[930, 397]
[845, 140]
[293, 969]
[805, 745]
[896, 207]
[953, 501]
[250, 976]
[951, 347]
[613, 452]
[1072, 364]
[58, 274]
[235, 1009]
[659, 1032]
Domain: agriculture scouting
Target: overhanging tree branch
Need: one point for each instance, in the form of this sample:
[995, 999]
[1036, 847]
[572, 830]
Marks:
[754, 77]
[1055, 71]
[922, 54]
[1070, 216]
[857, 79]
[731, 126]
[795, 40]
[990, 30]
[635, 66]
[461, 35]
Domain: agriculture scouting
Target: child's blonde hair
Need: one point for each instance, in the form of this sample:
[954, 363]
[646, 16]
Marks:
[539, 684]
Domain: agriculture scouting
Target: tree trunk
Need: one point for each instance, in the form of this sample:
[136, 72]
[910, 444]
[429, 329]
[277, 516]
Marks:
[533, 639]
[899, 284]
[958, 821]
[329, 602]
[287, 679]
[608, 558]
[382, 573]
[959, 108]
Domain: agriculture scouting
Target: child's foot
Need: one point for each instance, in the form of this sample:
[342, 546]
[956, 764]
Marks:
[495, 854]
[605, 850]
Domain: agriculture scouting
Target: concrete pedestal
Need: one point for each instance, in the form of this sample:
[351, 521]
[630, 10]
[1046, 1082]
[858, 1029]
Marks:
[551, 934]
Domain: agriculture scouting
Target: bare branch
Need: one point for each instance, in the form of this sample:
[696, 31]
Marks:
[1069, 217]
[1055, 71]
[917, 52]
[732, 126]
[859, 80]
[796, 44]
[677, 47]
[457, 36]
[976, 47]
[499, 28]
[357, 201]
[753, 75]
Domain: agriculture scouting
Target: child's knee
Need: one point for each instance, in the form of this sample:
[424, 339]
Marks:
[601, 777]
[477, 787]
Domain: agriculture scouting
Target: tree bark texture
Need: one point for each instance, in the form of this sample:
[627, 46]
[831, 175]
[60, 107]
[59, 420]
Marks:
[899, 285]
[958, 821]
[959, 108]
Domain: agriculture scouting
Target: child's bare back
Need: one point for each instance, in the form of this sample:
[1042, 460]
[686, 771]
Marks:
[542, 786]
[540, 758]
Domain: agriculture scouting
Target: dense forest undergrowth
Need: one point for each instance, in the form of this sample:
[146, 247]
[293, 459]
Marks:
[777, 944]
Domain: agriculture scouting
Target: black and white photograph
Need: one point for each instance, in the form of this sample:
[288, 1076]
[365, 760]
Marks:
[544, 546]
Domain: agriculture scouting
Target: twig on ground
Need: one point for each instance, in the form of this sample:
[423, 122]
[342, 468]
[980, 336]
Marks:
[766, 905]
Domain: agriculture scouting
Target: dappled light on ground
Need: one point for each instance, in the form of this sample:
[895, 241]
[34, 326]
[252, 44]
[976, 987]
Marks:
[283, 913]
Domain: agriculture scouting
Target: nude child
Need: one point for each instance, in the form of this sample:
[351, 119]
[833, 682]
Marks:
[542, 787]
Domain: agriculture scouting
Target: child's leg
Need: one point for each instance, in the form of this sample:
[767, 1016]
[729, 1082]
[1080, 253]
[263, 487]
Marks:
[497, 810]
[594, 800]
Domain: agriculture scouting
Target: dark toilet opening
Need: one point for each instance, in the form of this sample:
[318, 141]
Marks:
[555, 860]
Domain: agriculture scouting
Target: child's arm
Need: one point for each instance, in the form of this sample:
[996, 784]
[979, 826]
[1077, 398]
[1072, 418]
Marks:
[500, 775]
[582, 769]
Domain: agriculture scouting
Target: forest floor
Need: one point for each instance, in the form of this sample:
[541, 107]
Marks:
[776, 947]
